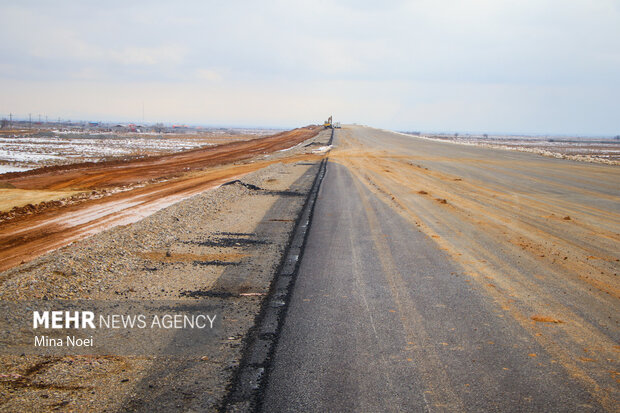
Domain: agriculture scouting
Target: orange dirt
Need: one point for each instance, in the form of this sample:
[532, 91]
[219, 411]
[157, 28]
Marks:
[168, 257]
[544, 319]
[119, 173]
[180, 175]
[501, 232]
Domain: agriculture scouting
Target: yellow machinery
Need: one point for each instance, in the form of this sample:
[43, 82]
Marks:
[328, 123]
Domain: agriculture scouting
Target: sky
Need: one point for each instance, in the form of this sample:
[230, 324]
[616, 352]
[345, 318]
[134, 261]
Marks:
[494, 66]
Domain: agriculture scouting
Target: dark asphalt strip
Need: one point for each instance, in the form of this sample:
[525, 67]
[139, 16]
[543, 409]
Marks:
[188, 383]
[250, 378]
[382, 320]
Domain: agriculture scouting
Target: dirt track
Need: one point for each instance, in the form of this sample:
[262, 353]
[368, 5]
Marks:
[113, 174]
[538, 236]
[156, 181]
[219, 248]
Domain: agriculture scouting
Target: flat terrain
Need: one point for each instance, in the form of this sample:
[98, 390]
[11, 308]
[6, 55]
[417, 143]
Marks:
[434, 276]
[48, 146]
[121, 192]
[219, 248]
[442, 277]
[599, 150]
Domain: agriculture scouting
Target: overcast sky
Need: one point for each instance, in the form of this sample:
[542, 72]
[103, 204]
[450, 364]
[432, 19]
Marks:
[522, 66]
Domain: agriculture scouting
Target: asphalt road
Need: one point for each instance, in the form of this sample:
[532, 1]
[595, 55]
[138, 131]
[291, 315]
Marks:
[441, 277]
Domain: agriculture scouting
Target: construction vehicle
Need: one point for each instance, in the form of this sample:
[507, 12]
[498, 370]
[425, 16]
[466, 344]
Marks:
[328, 123]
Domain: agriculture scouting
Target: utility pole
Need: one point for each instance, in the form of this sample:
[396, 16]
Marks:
[30, 120]
[10, 121]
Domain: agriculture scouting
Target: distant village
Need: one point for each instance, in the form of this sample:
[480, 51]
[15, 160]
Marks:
[82, 126]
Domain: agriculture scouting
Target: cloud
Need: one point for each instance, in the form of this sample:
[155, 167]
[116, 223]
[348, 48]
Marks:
[208, 75]
[166, 53]
[418, 64]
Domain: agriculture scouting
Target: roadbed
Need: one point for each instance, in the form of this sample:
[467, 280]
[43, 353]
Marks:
[222, 246]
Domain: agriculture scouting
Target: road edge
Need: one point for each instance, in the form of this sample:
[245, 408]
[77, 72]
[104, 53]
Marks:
[250, 379]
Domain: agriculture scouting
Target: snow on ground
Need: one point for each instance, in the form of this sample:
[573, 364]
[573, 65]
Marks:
[10, 168]
[601, 150]
[35, 151]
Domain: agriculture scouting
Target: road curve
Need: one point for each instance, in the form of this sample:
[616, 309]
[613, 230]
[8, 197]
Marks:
[441, 277]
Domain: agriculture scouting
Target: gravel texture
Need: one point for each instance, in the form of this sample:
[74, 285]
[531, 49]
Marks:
[222, 246]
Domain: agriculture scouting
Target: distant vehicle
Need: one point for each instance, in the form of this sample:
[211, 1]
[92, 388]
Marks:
[337, 125]
[328, 123]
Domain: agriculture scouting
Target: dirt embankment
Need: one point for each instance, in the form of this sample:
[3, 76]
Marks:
[127, 172]
[115, 193]
[220, 247]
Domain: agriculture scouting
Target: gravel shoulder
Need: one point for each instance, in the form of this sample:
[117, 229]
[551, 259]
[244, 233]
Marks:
[222, 246]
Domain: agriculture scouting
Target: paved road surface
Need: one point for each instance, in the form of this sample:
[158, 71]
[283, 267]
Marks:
[405, 302]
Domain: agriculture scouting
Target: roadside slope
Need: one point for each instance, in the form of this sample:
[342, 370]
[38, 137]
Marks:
[151, 184]
[218, 248]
